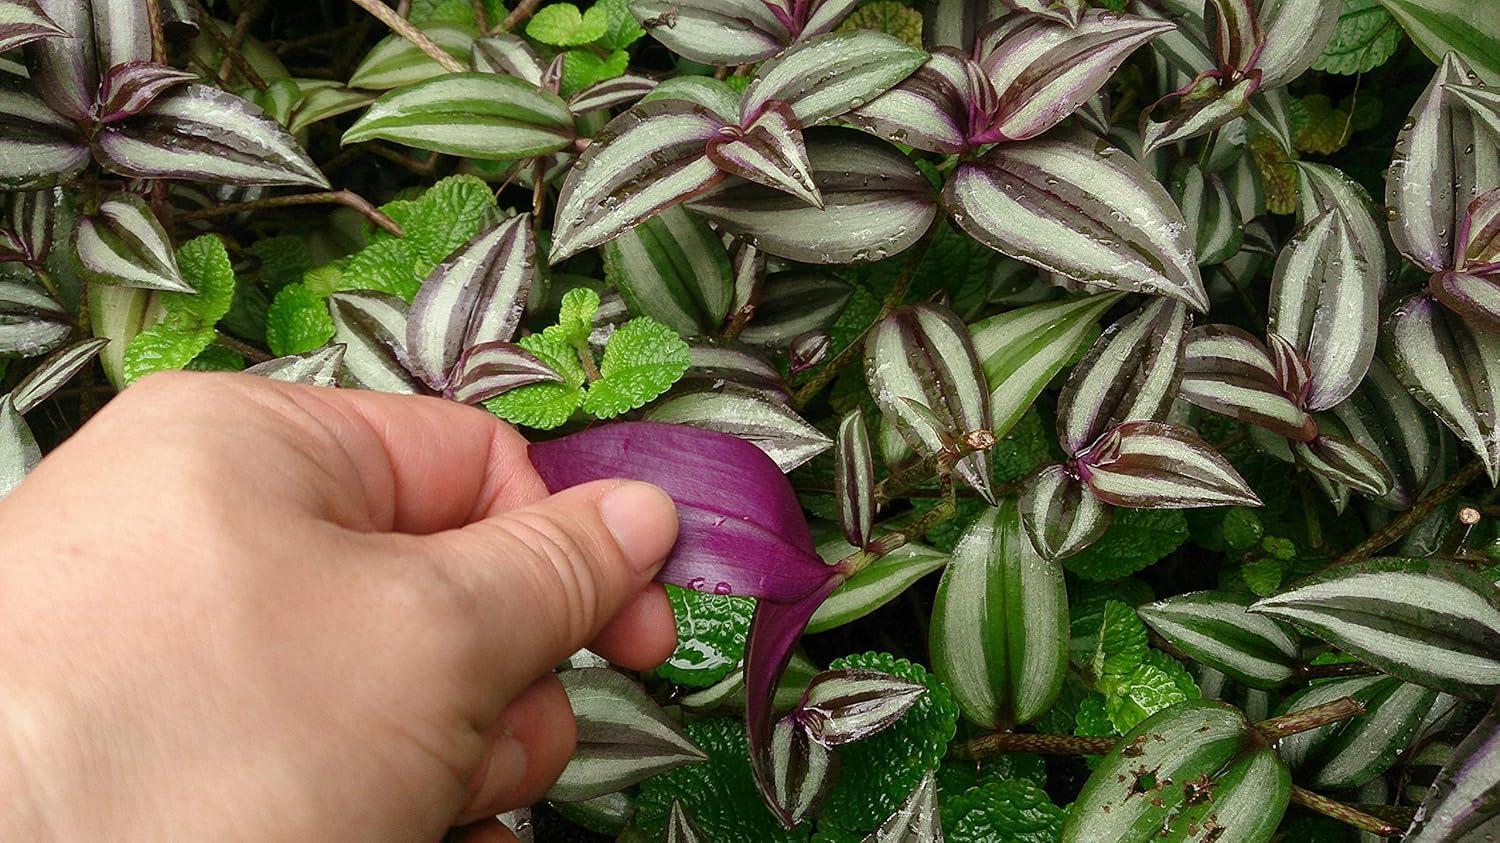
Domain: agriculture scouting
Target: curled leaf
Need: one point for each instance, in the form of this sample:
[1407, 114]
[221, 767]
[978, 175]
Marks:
[1060, 513]
[854, 479]
[1151, 465]
[122, 243]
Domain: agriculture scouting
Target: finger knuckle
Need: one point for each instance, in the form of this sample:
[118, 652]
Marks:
[562, 561]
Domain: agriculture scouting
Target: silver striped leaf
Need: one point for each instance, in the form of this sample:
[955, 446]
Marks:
[1325, 299]
[873, 586]
[999, 634]
[1227, 371]
[808, 350]
[510, 55]
[1152, 465]
[1482, 101]
[128, 89]
[494, 368]
[1248, 191]
[1474, 297]
[1061, 515]
[31, 224]
[724, 32]
[1427, 621]
[1186, 48]
[644, 161]
[712, 94]
[1442, 162]
[876, 204]
[1131, 373]
[1236, 33]
[854, 479]
[395, 62]
[372, 328]
[769, 151]
[31, 321]
[1210, 210]
[1271, 112]
[1322, 188]
[1453, 368]
[1384, 418]
[728, 694]
[957, 23]
[50, 375]
[1052, 202]
[917, 820]
[321, 367]
[321, 102]
[611, 93]
[1022, 350]
[123, 243]
[1294, 33]
[22, 21]
[795, 303]
[39, 147]
[1345, 462]
[749, 265]
[712, 367]
[477, 295]
[1194, 766]
[921, 356]
[1206, 104]
[843, 706]
[928, 110]
[801, 770]
[623, 736]
[1069, 12]
[119, 314]
[826, 76]
[19, 453]
[202, 133]
[673, 268]
[770, 425]
[1348, 754]
[1463, 799]
[473, 115]
[680, 828]
[68, 68]
[1214, 629]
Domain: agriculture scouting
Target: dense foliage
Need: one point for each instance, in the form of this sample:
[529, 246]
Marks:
[1084, 414]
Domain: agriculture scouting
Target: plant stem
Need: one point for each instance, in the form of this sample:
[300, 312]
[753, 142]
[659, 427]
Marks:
[347, 198]
[245, 349]
[403, 27]
[158, 40]
[945, 509]
[519, 14]
[231, 53]
[237, 35]
[481, 16]
[1412, 517]
[1346, 814]
[997, 743]
[1310, 718]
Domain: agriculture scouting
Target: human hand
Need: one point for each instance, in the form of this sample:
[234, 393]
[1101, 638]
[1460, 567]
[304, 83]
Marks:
[237, 609]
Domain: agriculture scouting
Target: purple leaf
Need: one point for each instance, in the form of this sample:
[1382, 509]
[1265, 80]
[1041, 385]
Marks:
[372, 327]
[129, 88]
[494, 368]
[22, 21]
[854, 479]
[1474, 297]
[1061, 515]
[769, 151]
[808, 350]
[770, 425]
[1230, 372]
[1203, 105]
[1151, 465]
[929, 110]
[1478, 247]
[123, 243]
[65, 70]
[831, 74]
[39, 147]
[477, 296]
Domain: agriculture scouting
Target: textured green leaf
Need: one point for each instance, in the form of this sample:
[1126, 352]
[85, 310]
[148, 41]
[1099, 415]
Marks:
[544, 405]
[620, 27]
[1016, 811]
[711, 632]
[1366, 36]
[562, 25]
[643, 359]
[1122, 641]
[890, 17]
[205, 265]
[1140, 694]
[443, 218]
[386, 266]
[297, 321]
[1135, 538]
[575, 317]
[164, 347]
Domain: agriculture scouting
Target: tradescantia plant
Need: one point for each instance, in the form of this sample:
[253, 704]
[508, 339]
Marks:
[1087, 403]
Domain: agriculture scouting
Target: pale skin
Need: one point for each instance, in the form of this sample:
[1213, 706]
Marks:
[232, 609]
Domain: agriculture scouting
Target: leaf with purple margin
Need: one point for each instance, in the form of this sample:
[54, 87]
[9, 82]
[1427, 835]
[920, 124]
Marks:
[724, 32]
[1052, 202]
[1230, 372]
[478, 295]
[1185, 48]
[1384, 418]
[1294, 33]
[674, 269]
[802, 770]
[711, 365]
[808, 350]
[923, 354]
[957, 23]
[66, 70]
[1345, 462]
[826, 76]
[199, 132]
[372, 327]
[31, 224]
[511, 55]
[1442, 162]
[1321, 188]
[1210, 210]
[1043, 70]
[610, 93]
[1482, 101]
[1475, 297]
[39, 147]
[495, 368]
[823, 15]
[1060, 514]
[1236, 33]
[1130, 374]
[1453, 368]
[1465, 798]
[49, 375]
[22, 21]
[1203, 106]
[769, 425]
[1479, 238]
[19, 452]
[842, 706]
[769, 151]
[624, 737]
[929, 110]
[1152, 465]
[123, 243]
[795, 303]
[854, 479]
[320, 367]
[1326, 302]
[644, 161]
[1069, 12]
[876, 204]
[129, 88]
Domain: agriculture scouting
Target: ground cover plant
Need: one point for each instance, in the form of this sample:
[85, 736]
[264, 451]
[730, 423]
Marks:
[1084, 415]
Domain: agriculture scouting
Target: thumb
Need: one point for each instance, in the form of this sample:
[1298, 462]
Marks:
[555, 572]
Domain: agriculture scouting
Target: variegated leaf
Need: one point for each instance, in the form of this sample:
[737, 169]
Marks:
[854, 479]
[321, 367]
[1383, 417]
[873, 586]
[1271, 112]
[842, 706]
[31, 224]
[826, 76]
[478, 295]
[1069, 12]
[929, 110]
[199, 132]
[808, 350]
[1130, 374]
[1427, 621]
[1323, 188]
[474, 115]
[1210, 210]
[680, 828]
[1348, 754]
[793, 304]
[1478, 247]
[22, 21]
[1345, 462]
[1483, 102]
[1236, 33]
[39, 147]
[510, 55]
[50, 375]
[1207, 103]
[494, 368]
[323, 101]
[118, 314]
[396, 62]
[999, 635]
[1474, 297]
[1214, 629]
[1052, 202]
[1453, 368]
[70, 66]
[957, 23]
[1152, 465]
[1463, 799]
[123, 243]
[19, 453]
[646, 160]
[772, 426]
[611, 93]
[712, 94]
[1022, 350]
[1186, 48]
[724, 32]
[1442, 162]
[769, 151]
[921, 356]
[31, 322]
[1230, 372]
[1061, 515]
[876, 204]
[713, 366]
[801, 769]
[673, 268]
[916, 821]
[128, 89]
[372, 327]
[623, 736]
[1294, 33]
